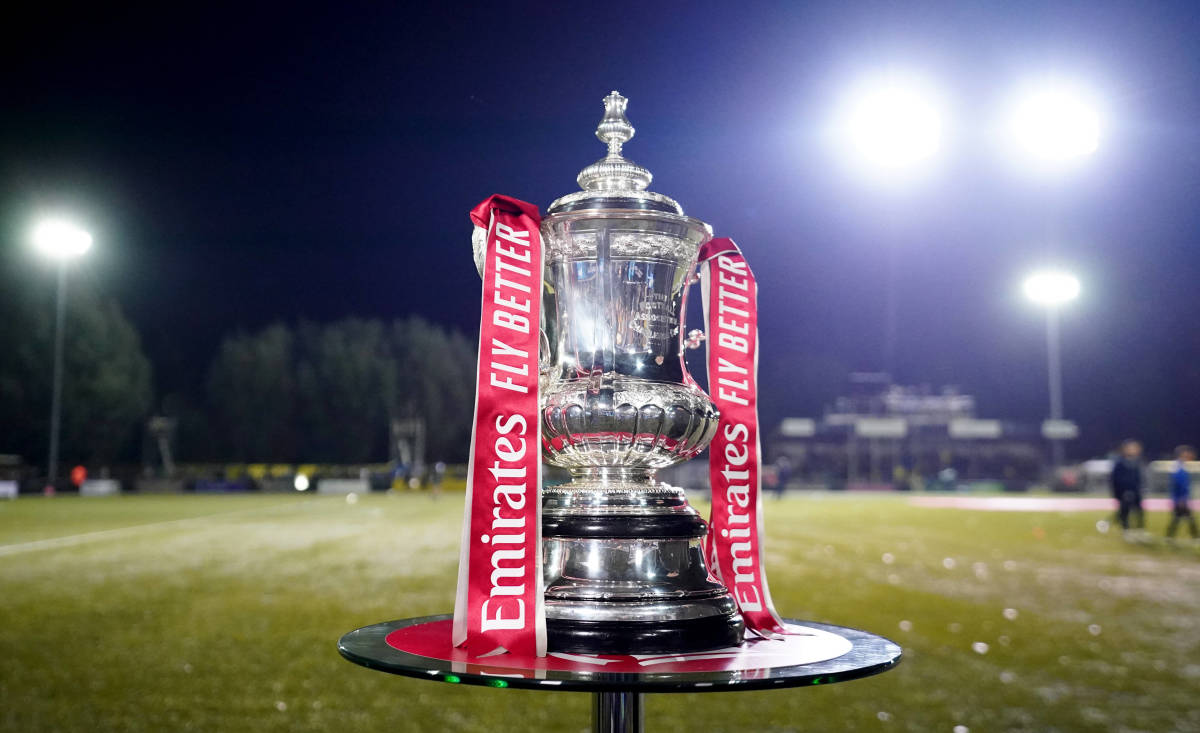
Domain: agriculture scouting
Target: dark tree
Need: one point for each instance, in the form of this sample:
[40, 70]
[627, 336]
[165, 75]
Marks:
[346, 378]
[106, 376]
[252, 393]
[435, 379]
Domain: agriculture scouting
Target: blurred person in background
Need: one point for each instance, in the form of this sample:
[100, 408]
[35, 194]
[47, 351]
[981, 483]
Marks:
[1181, 492]
[783, 470]
[770, 480]
[436, 475]
[1127, 487]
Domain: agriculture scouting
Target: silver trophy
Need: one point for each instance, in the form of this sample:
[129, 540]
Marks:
[625, 568]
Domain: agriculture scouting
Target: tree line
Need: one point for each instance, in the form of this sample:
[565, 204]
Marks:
[306, 392]
[328, 392]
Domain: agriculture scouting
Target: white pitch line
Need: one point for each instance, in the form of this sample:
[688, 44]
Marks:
[1035, 503]
[79, 539]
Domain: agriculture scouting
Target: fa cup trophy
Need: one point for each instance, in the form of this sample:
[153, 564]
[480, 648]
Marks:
[611, 582]
[624, 563]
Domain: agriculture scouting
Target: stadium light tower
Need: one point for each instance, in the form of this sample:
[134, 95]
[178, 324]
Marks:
[889, 131]
[63, 242]
[1052, 289]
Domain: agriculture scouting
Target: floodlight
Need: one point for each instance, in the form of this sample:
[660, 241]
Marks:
[1053, 123]
[1051, 287]
[60, 239]
[891, 126]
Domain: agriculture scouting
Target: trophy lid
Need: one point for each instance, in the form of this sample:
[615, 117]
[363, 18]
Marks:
[614, 182]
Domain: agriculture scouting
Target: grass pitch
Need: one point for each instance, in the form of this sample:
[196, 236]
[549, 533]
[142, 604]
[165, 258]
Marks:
[220, 613]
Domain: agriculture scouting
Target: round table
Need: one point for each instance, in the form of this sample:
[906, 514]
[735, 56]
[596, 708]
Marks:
[811, 654]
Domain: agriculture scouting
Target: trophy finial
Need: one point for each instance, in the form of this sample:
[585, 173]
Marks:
[614, 172]
[614, 130]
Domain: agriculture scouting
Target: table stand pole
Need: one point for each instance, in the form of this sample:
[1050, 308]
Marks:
[617, 712]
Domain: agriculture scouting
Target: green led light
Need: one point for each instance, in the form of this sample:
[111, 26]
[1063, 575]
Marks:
[452, 679]
[498, 683]
[816, 680]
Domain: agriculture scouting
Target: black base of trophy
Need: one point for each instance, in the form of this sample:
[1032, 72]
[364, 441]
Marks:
[643, 637]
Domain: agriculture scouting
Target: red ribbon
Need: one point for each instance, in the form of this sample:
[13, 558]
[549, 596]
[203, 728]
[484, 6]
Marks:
[735, 536]
[499, 601]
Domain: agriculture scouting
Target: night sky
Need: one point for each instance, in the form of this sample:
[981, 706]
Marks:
[259, 164]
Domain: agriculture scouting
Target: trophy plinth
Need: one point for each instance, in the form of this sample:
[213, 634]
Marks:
[625, 569]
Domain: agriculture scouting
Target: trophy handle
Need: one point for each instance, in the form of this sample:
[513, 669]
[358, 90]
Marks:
[479, 247]
[696, 336]
[546, 371]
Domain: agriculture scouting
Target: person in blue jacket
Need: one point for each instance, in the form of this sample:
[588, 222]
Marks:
[1127, 485]
[1181, 491]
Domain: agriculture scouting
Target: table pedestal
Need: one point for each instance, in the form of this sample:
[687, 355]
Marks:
[617, 712]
